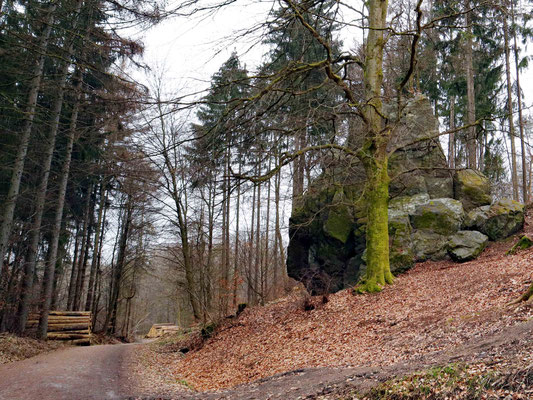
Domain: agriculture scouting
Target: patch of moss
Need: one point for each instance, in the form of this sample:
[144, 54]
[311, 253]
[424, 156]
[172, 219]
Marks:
[339, 222]
[523, 243]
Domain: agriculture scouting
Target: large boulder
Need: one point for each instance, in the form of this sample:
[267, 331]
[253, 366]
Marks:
[498, 220]
[466, 245]
[472, 188]
[504, 218]
[429, 245]
[441, 216]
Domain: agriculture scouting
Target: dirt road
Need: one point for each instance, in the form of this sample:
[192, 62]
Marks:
[78, 373]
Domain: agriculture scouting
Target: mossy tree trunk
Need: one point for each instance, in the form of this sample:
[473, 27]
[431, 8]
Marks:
[377, 232]
[374, 154]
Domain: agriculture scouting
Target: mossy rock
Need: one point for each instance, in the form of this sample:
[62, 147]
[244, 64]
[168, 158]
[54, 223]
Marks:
[472, 188]
[429, 245]
[406, 204]
[476, 218]
[442, 216]
[340, 221]
[505, 218]
[401, 255]
[466, 245]
[523, 243]
[439, 187]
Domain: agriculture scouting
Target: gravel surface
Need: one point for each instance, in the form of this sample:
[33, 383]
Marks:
[78, 373]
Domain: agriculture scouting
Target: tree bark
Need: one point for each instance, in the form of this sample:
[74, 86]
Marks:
[514, 175]
[471, 93]
[451, 137]
[96, 247]
[525, 190]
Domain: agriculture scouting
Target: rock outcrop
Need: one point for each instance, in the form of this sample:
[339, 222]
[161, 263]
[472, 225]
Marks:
[432, 213]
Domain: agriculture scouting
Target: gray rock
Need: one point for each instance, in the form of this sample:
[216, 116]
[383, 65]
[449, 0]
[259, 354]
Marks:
[401, 255]
[439, 187]
[406, 205]
[475, 218]
[466, 245]
[429, 245]
[442, 216]
[505, 217]
[472, 188]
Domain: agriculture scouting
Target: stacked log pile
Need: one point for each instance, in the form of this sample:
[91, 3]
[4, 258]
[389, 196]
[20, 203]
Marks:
[71, 326]
[158, 330]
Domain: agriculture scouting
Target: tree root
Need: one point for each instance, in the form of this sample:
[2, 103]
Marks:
[526, 297]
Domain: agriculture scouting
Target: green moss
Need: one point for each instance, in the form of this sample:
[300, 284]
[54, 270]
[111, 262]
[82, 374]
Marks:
[443, 217]
[523, 243]
[377, 233]
[339, 222]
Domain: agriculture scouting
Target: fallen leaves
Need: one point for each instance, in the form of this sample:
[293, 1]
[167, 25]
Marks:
[14, 348]
[434, 307]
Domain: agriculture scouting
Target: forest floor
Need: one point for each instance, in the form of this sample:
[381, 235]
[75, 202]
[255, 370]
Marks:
[436, 314]
[14, 348]
[442, 331]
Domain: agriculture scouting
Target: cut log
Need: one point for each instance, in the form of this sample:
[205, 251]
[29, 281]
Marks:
[70, 313]
[63, 321]
[60, 328]
[67, 336]
[81, 342]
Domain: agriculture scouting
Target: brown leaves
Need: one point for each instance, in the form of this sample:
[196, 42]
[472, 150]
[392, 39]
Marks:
[434, 307]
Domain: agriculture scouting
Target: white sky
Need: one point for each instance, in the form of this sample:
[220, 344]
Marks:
[191, 50]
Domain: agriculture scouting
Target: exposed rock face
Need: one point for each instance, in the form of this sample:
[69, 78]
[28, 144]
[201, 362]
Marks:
[467, 245]
[442, 216]
[472, 188]
[429, 245]
[426, 211]
[498, 220]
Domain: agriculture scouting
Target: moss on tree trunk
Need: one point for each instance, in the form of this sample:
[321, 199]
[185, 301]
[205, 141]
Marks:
[377, 232]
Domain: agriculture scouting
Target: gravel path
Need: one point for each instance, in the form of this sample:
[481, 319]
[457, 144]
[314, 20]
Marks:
[81, 373]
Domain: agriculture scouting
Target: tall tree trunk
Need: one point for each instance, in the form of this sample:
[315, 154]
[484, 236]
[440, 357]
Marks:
[265, 264]
[298, 170]
[98, 267]
[111, 319]
[514, 175]
[374, 155]
[451, 136]
[83, 250]
[250, 268]
[80, 283]
[20, 158]
[470, 89]
[257, 263]
[96, 247]
[73, 271]
[236, 249]
[525, 191]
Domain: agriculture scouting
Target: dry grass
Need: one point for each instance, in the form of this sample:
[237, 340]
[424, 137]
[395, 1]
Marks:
[14, 348]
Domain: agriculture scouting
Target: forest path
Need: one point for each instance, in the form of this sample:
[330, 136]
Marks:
[82, 373]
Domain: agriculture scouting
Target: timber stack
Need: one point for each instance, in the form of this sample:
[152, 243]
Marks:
[159, 330]
[73, 327]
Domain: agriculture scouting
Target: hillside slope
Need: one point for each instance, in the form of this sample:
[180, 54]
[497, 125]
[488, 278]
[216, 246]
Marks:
[435, 307]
